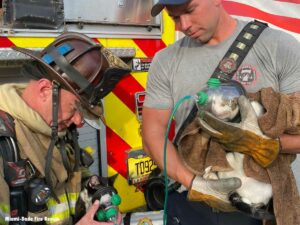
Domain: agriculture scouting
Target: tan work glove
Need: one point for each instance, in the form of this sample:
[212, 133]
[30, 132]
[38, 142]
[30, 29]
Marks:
[244, 137]
[215, 193]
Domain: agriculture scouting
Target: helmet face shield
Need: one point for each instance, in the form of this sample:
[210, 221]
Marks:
[80, 66]
[95, 123]
[91, 119]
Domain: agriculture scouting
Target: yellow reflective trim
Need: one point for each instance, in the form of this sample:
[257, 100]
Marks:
[65, 215]
[63, 198]
[55, 208]
[126, 125]
[72, 200]
[58, 208]
[168, 35]
[4, 213]
[4, 208]
[31, 42]
[51, 202]
[3, 222]
[58, 211]
[72, 210]
[73, 196]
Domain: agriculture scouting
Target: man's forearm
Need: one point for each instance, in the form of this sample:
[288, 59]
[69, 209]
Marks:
[290, 143]
[175, 168]
[153, 135]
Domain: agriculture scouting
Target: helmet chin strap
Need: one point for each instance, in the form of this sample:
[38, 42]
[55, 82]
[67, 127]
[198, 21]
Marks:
[54, 137]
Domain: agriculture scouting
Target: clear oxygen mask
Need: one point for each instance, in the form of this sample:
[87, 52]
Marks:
[221, 99]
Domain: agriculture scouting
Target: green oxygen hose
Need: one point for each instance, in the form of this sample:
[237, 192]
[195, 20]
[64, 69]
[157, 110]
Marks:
[165, 151]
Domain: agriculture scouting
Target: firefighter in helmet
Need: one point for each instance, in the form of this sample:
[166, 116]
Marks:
[40, 159]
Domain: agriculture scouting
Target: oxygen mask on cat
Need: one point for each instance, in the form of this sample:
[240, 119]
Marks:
[221, 99]
[109, 200]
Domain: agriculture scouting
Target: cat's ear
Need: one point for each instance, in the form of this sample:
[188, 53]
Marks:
[112, 179]
[108, 181]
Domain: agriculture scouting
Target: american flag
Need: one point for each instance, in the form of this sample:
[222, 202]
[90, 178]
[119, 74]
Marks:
[281, 14]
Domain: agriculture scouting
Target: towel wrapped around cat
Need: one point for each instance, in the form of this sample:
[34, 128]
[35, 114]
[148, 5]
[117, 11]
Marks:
[281, 115]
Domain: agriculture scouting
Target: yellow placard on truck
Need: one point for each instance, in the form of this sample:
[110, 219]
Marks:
[139, 167]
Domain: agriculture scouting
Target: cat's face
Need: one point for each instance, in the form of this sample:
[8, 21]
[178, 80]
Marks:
[89, 188]
[94, 182]
[224, 108]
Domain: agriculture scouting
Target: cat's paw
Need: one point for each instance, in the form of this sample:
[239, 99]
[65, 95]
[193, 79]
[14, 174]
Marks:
[209, 174]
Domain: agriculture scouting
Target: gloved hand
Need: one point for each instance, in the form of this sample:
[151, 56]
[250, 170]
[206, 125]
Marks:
[215, 193]
[244, 137]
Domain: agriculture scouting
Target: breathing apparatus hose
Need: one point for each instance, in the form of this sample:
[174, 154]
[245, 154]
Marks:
[165, 151]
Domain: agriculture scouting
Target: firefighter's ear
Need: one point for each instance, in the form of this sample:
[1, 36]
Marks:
[44, 87]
